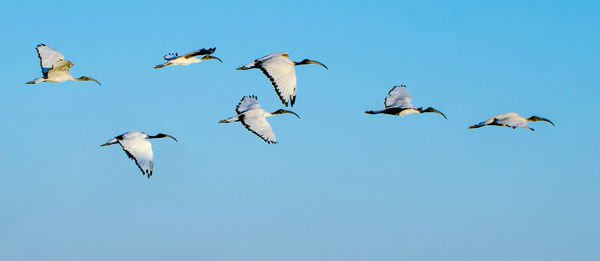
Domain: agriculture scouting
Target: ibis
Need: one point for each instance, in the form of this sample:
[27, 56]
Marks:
[138, 148]
[255, 119]
[55, 68]
[281, 71]
[173, 59]
[399, 102]
[511, 120]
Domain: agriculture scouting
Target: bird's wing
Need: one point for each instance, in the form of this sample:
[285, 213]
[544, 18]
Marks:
[247, 103]
[512, 121]
[139, 150]
[62, 66]
[60, 69]
[171, 56]
[256, 122]
[398, 97]
[280, 70]
[200, 52]
[48, 57]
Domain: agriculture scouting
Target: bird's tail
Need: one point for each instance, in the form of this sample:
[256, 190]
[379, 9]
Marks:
[160, 66]
[372, 112]
[232, 119]
[38, 80]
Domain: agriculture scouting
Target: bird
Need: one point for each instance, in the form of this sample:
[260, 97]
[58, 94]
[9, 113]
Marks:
[511, 120]
[398, 102]
[281, 71]
[55, 68]
[254, 118]
[138, 148]
[173, 59]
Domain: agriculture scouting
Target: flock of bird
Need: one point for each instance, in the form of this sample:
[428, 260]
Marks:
[281, 72]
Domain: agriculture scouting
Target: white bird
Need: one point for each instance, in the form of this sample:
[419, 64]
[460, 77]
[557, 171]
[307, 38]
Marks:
[254, 118]
[511, 120]
[399, 102]
[280, 70]
[173, 59]
[137, 148]
[55, 68]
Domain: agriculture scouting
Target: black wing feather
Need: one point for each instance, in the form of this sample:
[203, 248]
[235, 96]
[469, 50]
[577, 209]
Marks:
[200, 52]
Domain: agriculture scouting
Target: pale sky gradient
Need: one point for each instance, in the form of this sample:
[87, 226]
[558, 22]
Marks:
[341, 185]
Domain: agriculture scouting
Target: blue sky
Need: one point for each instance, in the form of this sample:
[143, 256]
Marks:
[340, 185]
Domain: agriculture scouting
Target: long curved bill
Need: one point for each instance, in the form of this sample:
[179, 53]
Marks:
[171, 137]
[208, 57]
[94, 80]
[546, 120]
[316, 62]
[436, 111]
[291, 112]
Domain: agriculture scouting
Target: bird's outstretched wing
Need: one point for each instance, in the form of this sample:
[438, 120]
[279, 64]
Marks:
[247, 103]
[200, 52]
[62, 66]
[140, 150]
[280, 70]
[256, 122]
[60, 69]
[398, 97]
[48, 57]
[170, 56]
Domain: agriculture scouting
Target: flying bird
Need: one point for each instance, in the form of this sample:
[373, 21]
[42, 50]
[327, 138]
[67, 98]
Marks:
[511, 120]
[254, 118]
[138, 148]
[281, 71]
[399, 102]
[174, 59]
[55, 68]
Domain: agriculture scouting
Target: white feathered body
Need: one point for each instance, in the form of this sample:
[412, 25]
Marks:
[281, 72]
[138, 148]
[182, 61]
[508, 119]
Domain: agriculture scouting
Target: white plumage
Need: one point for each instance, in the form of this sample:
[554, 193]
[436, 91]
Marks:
[254, 118]
[138, 148]
[281, 71]
[55, 68]
[190, 58]
[399, 102]
[511, 120]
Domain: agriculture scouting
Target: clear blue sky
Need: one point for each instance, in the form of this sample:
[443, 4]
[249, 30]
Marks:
[341, 185]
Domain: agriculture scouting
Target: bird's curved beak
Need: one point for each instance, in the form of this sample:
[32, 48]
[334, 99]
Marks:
[94, 80]
[243, 68]
[536, 118]
[291, 112]
[171, 137]
[316, 62]
[208, 57]
[546, 120]
[436, 111]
